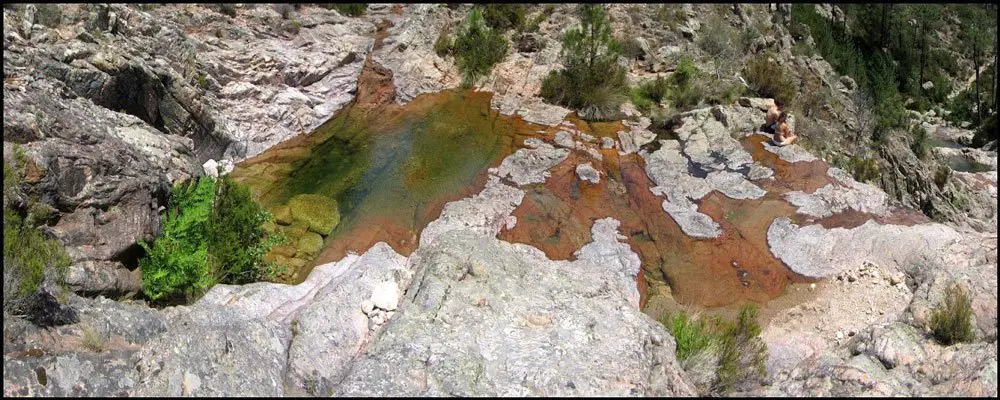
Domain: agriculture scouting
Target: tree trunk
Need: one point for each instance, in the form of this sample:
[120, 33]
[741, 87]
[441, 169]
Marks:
[975, 61]
[923, 55]
[885, 13]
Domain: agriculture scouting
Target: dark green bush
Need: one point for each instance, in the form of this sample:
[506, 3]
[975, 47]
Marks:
[768, 79]
[687, 91]
[236, 242]
[212, 232]
[951, 320]
[477, 49]
[863, 169]
[593, 83]
[504, 17]
[649, 93]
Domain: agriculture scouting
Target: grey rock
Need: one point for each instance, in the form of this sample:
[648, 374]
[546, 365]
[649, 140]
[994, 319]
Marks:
[530, 165]
[587, 172]
[835, 198]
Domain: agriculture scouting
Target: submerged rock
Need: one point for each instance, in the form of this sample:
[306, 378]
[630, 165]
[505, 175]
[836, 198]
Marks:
[318, 212]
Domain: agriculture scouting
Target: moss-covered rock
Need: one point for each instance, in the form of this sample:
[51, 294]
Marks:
[296, 263]
[287, 251]
[310, 243]
[283, 216]
[319, 212]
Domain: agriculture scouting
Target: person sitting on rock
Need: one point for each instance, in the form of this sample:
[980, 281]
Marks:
[783, 135]
[772, 116]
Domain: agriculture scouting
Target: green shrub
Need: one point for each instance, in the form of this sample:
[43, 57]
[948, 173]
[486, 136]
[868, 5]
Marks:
[920, 145]
[176, 263]
[27, 252]
[649, 94]
[349, 9]
[863, 169]
[443, 45]
[951, 320]
[739, 352]
[236, 242]
[743, 354]
[941, 176]
[692, 335]
[212, 232]
[504, 17]
[477, 49]
[767, 79]
[593, 83]
[632, 49]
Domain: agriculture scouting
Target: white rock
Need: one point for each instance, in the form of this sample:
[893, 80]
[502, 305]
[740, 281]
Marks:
[367, 306]
[587, 172]
[211, 168]
[386, 296]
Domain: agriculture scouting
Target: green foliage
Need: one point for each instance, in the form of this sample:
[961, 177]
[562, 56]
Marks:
[692, 335]
[212, 232]
[27, 252]
[863, 169]
[477, 49]
[444, 44]
[236, 242]
[176, 263]
[686, 93]
[768, 79]
[951, 320]
[717, 39]
[349, 9]
[649, 93]
[920, 145]
[941, 176]
[671, 15]
[504, 16]
[743, 353]
[593, 83]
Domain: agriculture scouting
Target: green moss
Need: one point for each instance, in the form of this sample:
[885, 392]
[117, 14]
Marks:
[310, 244]
[318, 212]
[283, 215]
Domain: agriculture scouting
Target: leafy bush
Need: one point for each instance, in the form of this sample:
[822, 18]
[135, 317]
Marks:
[686, 92]
[951, 320]
[863, 169]
[743, 353]
[236, 242]
[739, 352]
[443, 45]
[350, 9]
[717, 40]
[920, 145]
[176, 263]
[504, 17]
[941, 176]
[27, 252]
[212, 232]
[593, 83]
[649, 93]
[632, 49]
[477, 49]
[228, 9]
[692, 335]
[767, 79]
